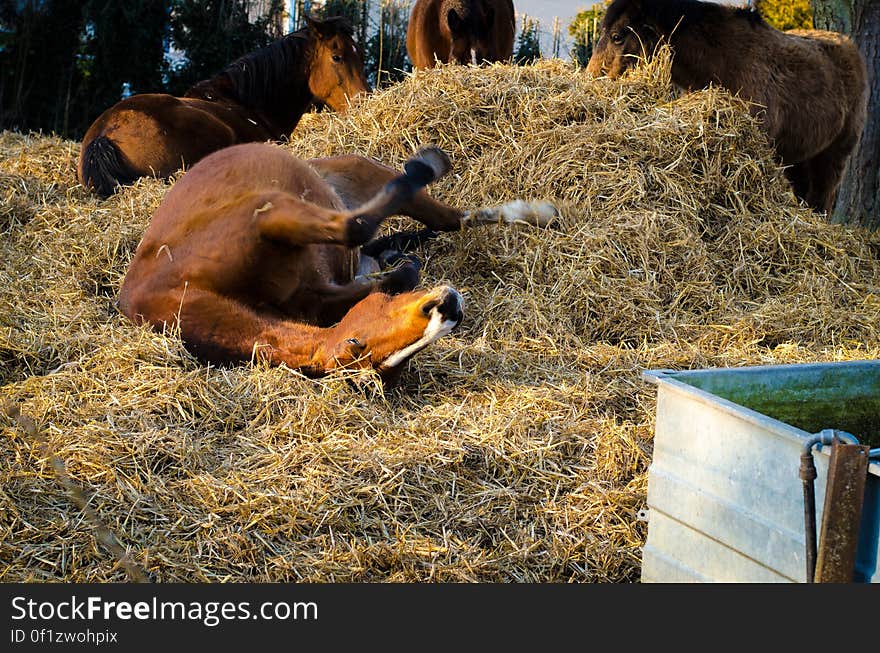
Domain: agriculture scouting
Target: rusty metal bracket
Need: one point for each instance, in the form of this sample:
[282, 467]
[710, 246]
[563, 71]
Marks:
[842, 512]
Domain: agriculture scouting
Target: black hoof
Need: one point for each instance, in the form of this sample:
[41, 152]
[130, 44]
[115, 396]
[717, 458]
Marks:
[401, 279]
[359, 230]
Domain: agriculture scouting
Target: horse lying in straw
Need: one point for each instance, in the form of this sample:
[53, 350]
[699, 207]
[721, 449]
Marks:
[460, 31]
[259, 97]
[255, 253]
[809, 87]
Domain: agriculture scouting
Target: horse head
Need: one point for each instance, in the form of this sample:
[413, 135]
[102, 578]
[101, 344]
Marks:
[469, 26]
[384, 331]
[628, 33]
[337, 66]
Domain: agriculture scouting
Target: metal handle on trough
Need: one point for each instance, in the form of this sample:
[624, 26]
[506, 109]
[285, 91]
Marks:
[807, 474]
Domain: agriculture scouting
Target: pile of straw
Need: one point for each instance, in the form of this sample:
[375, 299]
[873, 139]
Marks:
[516, 449]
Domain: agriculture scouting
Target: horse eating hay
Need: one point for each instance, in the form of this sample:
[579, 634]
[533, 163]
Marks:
[807, 87]
[460, 31]
[254, 252]
[259, 97]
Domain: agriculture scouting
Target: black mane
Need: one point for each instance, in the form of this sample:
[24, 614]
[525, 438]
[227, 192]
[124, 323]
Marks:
[666, 15]
[261, 78]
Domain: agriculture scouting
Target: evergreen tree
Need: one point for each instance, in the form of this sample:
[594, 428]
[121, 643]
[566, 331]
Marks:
[858, 200]
[528, 43]
[786, 14]
[356, 11]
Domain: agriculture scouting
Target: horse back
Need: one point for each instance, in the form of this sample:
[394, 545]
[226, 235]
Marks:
[818, 93]
[843, 58]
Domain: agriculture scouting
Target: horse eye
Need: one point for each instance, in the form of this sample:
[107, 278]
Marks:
[617, 37]
[337, 58]
[356, 347]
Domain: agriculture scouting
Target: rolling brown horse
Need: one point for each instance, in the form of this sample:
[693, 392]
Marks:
[808, 87]
[460, 31]
[259, 97]
[255, 253]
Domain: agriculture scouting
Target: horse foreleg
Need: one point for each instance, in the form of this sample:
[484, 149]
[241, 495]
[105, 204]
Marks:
[536, 213]
[335, 300]
[297, 222]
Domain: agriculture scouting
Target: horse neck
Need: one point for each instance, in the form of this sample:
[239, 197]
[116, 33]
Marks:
[713, 52]
[278, 95]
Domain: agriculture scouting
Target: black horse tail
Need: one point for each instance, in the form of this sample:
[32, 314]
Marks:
[104, 167]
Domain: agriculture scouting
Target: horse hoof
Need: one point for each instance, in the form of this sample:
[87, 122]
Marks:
[435, 159]
[401, 279]
[360, 230]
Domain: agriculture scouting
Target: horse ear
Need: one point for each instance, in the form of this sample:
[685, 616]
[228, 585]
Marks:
[311, 24]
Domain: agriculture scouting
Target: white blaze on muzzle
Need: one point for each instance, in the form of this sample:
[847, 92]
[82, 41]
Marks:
[438, 326]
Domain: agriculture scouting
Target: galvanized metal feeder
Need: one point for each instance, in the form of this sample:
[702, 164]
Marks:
[730, 487]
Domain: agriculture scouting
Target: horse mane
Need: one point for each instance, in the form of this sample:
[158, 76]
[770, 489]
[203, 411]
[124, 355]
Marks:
[260, 78]
[666, 15]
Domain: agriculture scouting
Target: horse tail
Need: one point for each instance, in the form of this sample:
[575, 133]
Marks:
[104, 167]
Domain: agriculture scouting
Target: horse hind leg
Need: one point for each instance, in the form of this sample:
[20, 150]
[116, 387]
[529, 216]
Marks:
[356, 178]
[825, 171]
[798, 176]
[297, 222]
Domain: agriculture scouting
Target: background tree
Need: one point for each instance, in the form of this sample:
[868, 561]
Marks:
[584, 29]
[122, 42]
[858, 200]
[385, 58]
[786, 14]
[39, 63]
[528, 43]
[213, 34]
[356, 11]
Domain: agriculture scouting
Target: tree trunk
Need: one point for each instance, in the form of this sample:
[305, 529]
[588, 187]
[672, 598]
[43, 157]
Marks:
[858, 200]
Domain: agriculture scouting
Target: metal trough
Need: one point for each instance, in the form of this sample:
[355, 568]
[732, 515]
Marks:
[725, 502]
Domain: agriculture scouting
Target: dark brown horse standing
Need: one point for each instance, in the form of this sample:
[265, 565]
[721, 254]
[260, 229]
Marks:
[259, 97]
[809, 87]
[255, 253]
[460, 31]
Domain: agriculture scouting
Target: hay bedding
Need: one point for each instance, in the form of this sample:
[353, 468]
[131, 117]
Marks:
[514, 450]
